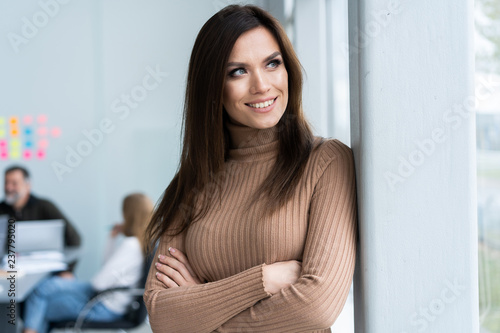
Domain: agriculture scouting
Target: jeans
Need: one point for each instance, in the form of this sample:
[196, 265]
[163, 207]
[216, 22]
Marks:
[57, 299]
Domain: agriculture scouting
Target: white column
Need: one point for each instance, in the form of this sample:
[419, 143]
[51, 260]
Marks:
[338, 73]
[310, 45]
[413, 135]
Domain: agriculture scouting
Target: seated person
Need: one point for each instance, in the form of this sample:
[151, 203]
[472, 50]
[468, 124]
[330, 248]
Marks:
[21, 205]
[62, 298]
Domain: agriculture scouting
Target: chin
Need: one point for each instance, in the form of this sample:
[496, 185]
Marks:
[262, 121]
[10, 200]
[265, 124]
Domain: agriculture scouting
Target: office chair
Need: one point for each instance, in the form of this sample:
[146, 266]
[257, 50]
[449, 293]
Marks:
[135, 316]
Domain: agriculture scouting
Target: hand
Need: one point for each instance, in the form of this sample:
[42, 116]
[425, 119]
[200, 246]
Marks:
[280, 275]
[175, 271]
[117, 229]
[66, 275]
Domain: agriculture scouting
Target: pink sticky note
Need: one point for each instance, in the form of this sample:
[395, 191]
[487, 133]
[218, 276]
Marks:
[40, 154]
[44, 143]
[42, 119]
[42, 131]
[28, 120]
[56, 132]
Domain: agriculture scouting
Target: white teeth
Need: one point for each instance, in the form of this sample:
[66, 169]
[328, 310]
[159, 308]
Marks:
[262, 105]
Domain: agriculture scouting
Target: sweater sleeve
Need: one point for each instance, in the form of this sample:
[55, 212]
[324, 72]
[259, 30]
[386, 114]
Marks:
[200, 308]
[317, 298]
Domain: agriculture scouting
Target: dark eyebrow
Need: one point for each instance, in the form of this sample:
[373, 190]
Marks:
[242, 64]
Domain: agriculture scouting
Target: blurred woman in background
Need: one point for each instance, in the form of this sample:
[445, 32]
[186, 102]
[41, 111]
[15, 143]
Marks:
[63, 298]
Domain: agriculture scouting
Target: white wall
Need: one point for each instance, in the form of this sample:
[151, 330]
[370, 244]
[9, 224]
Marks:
[54, 73]
[73, 69]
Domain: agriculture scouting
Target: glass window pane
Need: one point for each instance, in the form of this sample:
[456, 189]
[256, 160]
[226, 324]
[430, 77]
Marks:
[487, 39]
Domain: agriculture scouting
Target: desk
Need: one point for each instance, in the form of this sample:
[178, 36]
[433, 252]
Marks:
[24, 285]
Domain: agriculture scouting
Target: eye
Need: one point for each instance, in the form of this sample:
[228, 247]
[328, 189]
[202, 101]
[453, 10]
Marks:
[237, 72]
[274, 63]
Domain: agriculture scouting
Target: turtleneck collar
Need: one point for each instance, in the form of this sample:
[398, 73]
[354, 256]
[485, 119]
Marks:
[249, 143]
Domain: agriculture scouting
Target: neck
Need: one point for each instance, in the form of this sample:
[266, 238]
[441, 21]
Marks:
[246, 137]
[252, 144]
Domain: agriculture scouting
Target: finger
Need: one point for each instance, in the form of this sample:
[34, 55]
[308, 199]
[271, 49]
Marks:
[173, 273]
[180, 268]
[178, 265]
[179, 255]
[169, 283]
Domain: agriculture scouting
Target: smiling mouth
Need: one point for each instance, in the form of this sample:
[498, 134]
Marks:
[263, 104]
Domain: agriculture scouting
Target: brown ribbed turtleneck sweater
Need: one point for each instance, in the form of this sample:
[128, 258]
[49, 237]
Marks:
[230, 245]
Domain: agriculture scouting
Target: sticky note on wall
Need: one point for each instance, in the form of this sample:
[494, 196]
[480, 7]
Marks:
[26, 137]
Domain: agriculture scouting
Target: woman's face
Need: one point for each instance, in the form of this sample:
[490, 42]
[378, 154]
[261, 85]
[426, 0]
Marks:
[256, 88]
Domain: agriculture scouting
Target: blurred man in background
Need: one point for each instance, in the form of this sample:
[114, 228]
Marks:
[21, 205]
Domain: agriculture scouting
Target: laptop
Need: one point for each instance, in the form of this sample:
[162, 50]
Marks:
[40, 235]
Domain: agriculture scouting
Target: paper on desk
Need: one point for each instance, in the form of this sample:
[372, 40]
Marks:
[41, 255]
[36, 262]
[32, 266]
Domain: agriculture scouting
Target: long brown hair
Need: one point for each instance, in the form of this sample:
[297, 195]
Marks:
[137, 209]
[206, 140]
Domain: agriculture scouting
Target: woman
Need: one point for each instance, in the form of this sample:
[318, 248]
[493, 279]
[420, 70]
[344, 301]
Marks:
[257, 229]
[62, 298]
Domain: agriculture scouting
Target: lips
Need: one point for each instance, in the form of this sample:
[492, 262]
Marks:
[262, 104]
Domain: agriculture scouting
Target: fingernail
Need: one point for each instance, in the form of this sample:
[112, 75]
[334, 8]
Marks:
[161, 257]
[157, 274]
[158, 264]
[171, 249]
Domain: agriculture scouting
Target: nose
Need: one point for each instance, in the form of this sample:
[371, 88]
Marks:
[260, 83]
